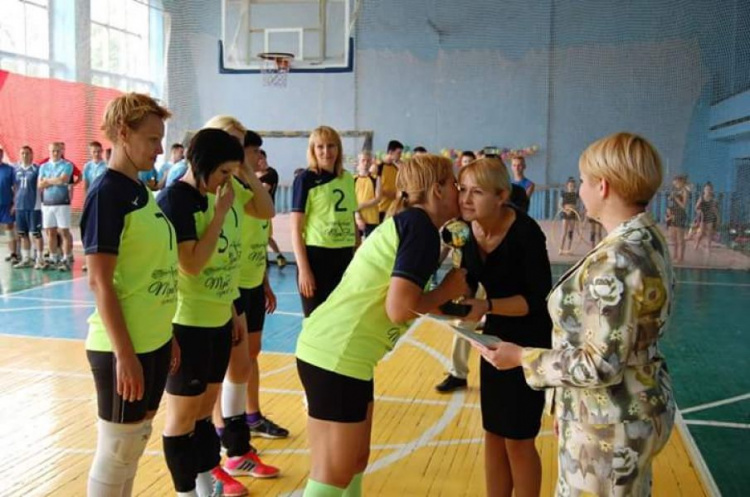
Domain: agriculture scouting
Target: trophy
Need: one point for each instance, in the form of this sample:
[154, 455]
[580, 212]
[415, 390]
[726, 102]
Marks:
[455, 234]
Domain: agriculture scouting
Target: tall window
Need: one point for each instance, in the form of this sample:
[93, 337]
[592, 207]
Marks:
[120, 45]
[24, 37]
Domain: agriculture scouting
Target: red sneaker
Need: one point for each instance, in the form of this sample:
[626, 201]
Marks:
[225, 485]
[250, 465]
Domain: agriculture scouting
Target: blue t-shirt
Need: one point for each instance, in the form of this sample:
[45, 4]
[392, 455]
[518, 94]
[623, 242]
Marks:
[7, 174]
[56, 194]
[93, 170]
[176, 172]
[26, 179]
[151, 174]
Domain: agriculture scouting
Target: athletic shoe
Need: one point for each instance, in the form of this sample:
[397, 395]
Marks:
[265, 428]
[250, 465]
[13, 258]
[225, 485]
[281, 260]
[450, 383]
[42, 265]
[23, 264]
[63, 266]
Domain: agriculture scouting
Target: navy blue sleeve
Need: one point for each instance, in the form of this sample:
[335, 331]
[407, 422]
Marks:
[102, 221]
[418, 252]
[300, 189]
[177, 206]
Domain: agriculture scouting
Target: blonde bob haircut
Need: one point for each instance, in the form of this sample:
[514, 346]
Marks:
[325, 134]
[629, 163]
[416, 177]
[130, 110]
[489, 174]
[226, 123]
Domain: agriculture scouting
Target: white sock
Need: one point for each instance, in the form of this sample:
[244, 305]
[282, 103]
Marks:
[187, 494]
[26, 254]
[233, 398]
[204, 484]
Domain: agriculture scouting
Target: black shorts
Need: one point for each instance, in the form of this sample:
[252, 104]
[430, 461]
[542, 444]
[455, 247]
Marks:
[333, 396]
[569, 215]
[112, 407]
[328, 266]
[252, 303]
[204, 357]
[510, 408]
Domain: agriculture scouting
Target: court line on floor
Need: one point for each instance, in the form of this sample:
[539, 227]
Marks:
[709, 405]
[717, 424]
[44, 299]
[695, 455]
[46, 307]
[44, 285]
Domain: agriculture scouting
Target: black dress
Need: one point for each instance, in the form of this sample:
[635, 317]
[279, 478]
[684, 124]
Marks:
[518, 266]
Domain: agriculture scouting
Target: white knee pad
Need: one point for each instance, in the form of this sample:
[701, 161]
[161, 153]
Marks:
[118, 449]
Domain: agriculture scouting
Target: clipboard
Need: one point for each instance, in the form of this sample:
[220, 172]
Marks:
[447, 324]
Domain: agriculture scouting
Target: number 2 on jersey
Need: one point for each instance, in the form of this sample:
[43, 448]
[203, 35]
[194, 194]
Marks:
[341, 196]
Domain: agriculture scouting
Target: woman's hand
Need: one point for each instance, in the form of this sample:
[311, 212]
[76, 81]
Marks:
[504, 355]
[224, 199]
[270, 298]
[306, 283]
[239, 329]
[129, 377]
[454, 284]
[174, 364]
[479, 308]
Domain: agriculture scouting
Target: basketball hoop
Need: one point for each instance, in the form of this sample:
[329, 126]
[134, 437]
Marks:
[275, 67]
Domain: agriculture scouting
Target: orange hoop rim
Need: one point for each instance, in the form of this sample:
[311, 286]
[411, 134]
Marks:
[276, 56]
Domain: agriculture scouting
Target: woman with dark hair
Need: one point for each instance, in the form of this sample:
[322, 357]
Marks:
[208, 220]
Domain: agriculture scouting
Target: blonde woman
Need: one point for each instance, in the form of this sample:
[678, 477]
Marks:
[344, 338]
[610, 390]
[507, 254]
[129, 252]
[324, 231]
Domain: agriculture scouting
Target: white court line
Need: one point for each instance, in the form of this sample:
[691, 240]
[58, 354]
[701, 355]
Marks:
[696, 457]
[39, 299]
[709, 405]
[288, 313]
[44, 285]
[717, 424]
[46, 307]
[712, 283]
[279, 370]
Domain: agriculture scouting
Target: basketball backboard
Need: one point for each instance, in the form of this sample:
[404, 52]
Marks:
[316, 32]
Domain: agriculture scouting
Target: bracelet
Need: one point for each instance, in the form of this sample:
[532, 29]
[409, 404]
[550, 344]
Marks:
[489, 306]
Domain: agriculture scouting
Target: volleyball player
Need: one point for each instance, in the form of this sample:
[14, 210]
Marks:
[132, 259]
[209, 247]
[324, 233]
[344, 338]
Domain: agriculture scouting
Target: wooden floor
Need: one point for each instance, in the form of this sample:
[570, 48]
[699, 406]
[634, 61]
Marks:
[424, 443]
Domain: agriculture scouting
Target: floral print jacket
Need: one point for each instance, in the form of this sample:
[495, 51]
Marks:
[608, 313]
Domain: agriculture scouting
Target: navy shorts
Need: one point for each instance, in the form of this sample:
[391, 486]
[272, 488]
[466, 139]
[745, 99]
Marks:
[5, 216]
[29, 222]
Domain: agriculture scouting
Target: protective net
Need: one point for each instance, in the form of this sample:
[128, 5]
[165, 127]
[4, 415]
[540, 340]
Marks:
[542, 78]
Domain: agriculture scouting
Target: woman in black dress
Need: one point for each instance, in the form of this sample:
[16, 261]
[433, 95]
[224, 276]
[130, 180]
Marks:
[507, 254]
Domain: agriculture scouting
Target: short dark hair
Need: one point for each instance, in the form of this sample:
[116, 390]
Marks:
[395, 145]
[252, 139]
[468, 153]
[420, 150]
[176, 146]
[209, 148]
[95, 144]
[24, 147]
[263, 153]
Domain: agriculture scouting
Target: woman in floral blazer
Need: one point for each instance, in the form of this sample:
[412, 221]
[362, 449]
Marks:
[607, 380]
